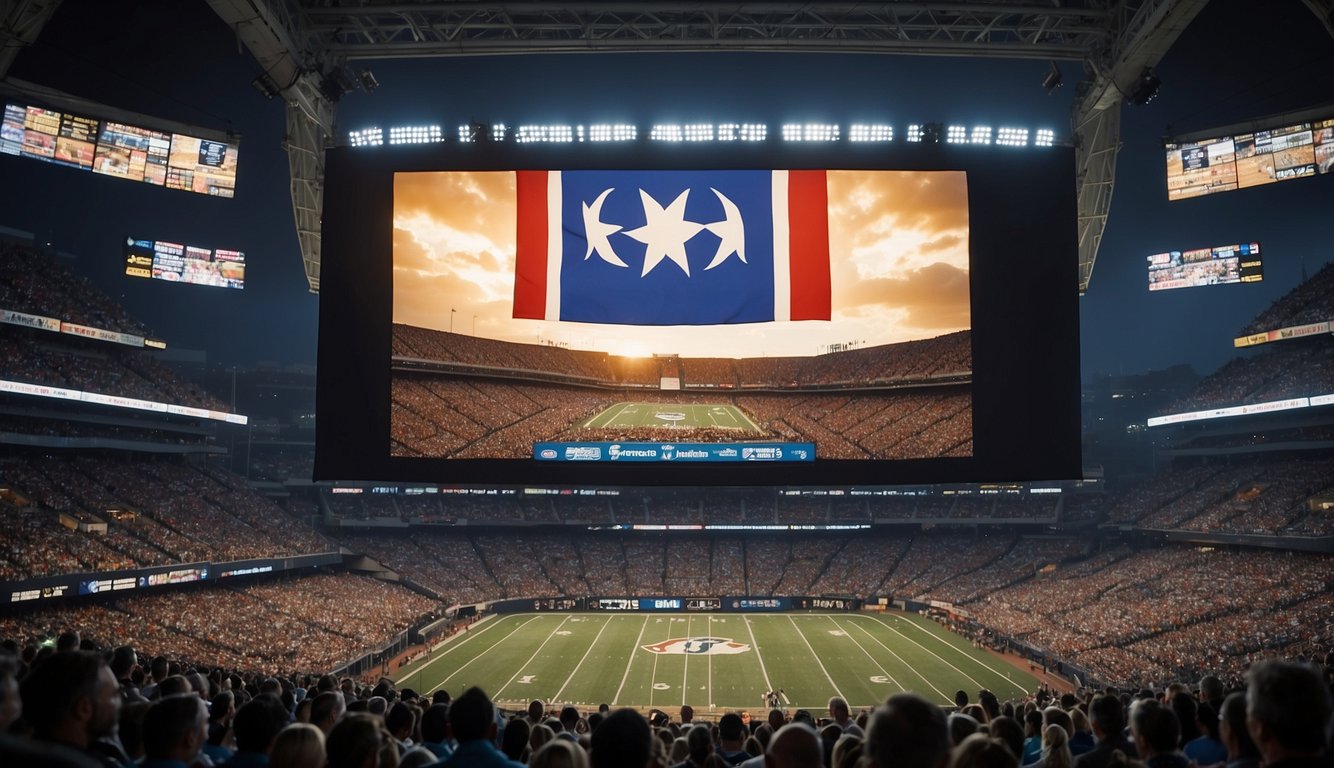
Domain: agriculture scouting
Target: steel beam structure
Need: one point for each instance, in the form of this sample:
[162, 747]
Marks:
[1144, 30]
[20, 23]
[275, 32]
[1057, 29]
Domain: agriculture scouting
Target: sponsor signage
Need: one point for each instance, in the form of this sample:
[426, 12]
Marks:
[117, 401]
[1238, 410]
[1282, 334]
[675, 452]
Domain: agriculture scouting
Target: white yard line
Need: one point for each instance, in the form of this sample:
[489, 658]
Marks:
[710, 696]
[617, 698]
[868, 653]
[767, 685]
[499, 693]
[943, 695]
[453, 647]
[817, 658]
[933, 653]
[685, 674]
[581, 660]
[480, 655]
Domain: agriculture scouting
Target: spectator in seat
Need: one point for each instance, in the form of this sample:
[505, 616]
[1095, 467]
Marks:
[699, 746]
[326, 710]
[11, 706]
[1010, 733]
[256, 725]
[907, 731]
[622, 741]
[982, 751]
[220, 716]
[435, 731]
[355, 742]
[1241, 750]
[299, 745]
[732, 739]
[1207, 748]
[174, 731]
[559, 754]
[1157, 733]
[1211, 691]
[842, 716]
[795, 745]
[72, 699]
[1287, 713]
[399, 722]
[1108, 719]
[472, 717]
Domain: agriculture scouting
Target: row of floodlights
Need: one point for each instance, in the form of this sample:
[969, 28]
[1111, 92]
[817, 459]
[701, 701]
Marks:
[929, 133]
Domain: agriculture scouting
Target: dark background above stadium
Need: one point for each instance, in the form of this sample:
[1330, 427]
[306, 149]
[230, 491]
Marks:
[1239, 59]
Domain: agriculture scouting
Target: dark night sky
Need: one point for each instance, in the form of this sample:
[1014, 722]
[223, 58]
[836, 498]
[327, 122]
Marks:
[1240, 59]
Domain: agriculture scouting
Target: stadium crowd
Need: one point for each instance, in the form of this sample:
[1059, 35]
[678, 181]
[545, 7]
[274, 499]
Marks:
[1312, 301]
[156, 512]
[83, 703]
[1091, 608]
[497, 398]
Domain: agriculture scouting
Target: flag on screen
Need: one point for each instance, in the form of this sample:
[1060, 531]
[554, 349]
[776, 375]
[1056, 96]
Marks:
[672, 247]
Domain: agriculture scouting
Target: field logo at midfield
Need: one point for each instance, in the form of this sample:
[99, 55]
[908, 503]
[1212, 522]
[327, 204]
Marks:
[709, 646]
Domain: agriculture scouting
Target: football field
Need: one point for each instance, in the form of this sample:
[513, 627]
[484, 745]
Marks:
[675, 415]
[711, 661]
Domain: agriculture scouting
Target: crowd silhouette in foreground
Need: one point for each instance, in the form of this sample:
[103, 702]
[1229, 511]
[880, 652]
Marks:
[78, 705]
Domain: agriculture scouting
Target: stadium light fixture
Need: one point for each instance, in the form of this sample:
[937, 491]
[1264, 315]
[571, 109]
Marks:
[859, 132]
[1053, 80]
[956, 134]
[667, 132]
[914, 134]
[1012, 137]
[1145, 89]
[981, 135]
[699, 132]
[1045, 137]
[266, 85]
[366, 137]
[416, 134]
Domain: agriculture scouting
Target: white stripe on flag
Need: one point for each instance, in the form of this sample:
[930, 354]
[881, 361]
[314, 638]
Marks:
[782, 271]
[555, 245]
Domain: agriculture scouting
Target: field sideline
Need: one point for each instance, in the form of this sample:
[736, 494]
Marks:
[629, 659]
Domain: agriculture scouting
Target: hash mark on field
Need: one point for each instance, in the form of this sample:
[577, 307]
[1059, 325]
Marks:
[534, 656]
[933, 653]
[441, 684]
[582, 660]
[817, 658]
[630, 662]
[868, 653]
[923, 678]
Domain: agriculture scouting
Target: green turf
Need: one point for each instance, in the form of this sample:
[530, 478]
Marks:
[589, 659]
[675, 415]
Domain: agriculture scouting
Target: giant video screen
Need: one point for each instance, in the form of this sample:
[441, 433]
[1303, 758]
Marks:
[1258, 158]
[110, 148]
[181, 263]
[697, 324]
[1219, 265]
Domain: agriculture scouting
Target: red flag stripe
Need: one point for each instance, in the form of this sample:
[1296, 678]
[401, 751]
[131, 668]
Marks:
[530, 269]
[808, 227]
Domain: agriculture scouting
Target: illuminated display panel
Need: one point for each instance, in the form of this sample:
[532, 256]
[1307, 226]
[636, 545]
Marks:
[441, 359]
[1220, 265]
[178, 263]
[1249, 159]
[110, 148]
[1201, 167]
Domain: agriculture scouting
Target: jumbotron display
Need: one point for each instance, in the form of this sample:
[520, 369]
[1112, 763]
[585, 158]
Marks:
[1249, 159]
[680, 301]
[676, 320]
[179, 263]
[173, 160]
[1220, 265]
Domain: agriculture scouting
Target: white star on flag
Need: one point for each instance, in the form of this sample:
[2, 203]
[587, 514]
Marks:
[597, 231]
[665, 232]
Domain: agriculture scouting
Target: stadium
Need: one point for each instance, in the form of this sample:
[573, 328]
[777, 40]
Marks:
[773, 412]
